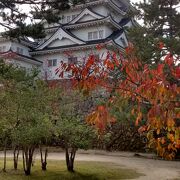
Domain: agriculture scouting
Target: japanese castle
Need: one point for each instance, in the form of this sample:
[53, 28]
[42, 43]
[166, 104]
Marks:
[81, 29]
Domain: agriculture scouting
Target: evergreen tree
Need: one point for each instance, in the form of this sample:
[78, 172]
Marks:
[161, 26]
[13, 18]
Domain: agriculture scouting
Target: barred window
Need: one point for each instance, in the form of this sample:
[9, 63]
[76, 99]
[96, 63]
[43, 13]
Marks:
[52, 62]
[101, 34]
[72, 60]
[96, 35]
[90, 35]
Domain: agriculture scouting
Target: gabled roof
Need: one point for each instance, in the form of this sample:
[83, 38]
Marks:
[60, 34]
[121, 40]
[88, 44]
[84, 13]
[14, 55]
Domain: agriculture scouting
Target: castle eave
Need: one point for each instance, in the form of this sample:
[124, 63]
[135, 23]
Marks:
[14, 55]
[106, 20]
[87, 4]
[69, 48]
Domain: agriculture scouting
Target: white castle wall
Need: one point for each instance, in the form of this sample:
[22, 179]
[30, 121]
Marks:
[15, 45]
[63, 56]
[82, 33]
[5, 45]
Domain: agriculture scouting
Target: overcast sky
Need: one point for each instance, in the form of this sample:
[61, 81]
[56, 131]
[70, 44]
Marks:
[2, 28]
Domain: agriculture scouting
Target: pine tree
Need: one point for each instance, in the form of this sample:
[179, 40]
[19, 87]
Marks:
[161, 26]
[13, 19]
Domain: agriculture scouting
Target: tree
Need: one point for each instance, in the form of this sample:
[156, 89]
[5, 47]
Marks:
[71, 129]
[9, 107]
[34, 121]
[161, 27]
[156, 88]
[25, 112]
[39, 11]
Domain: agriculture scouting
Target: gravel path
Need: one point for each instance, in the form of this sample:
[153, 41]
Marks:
[153, 169]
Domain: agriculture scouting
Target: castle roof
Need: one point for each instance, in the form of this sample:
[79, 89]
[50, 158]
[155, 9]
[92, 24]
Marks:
[109, 41]
[60, 34]
[11, 54]
[77, 23]
[106, 20]
[121, 9]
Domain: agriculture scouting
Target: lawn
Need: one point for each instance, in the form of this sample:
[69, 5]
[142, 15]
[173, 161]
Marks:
[83, 171]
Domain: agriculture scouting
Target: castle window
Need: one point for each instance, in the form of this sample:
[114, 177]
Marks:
[63, 19]
[96, 35]
[90, 35]
[52, 62]
[68, 19]
[72, 60]
[101, 34]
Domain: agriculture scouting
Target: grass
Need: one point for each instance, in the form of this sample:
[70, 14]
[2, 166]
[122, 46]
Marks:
[83, 171]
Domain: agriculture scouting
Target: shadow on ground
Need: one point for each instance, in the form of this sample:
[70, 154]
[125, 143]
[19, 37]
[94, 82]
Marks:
[83, 171]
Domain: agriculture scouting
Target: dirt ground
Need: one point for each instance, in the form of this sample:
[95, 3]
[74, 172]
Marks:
[151, 168]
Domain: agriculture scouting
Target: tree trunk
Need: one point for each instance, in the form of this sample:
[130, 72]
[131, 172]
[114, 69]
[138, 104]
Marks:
[43, 160]
[16, 157]
[70, 156]
[27, 153]
[5, 147]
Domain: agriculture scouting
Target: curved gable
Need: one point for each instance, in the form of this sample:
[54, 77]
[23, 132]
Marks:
[122, 40]
[58, 39]
[86, 15]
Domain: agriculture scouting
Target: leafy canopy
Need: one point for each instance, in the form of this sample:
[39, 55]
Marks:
[154, 87]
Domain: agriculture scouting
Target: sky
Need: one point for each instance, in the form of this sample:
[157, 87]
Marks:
[2, 28]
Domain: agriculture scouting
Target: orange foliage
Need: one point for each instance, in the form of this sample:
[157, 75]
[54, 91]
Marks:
[155, 87]
[100, 118]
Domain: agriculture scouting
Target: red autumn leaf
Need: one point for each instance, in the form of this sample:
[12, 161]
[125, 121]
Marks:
[101, 108]
[99, 47]
[110, 65]
[129, 49]
[161, 45]
[61, 75]
[105, 62]
[169, 60]
[68, 53]
[90, 61]
[160, 68]
[177, 73]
